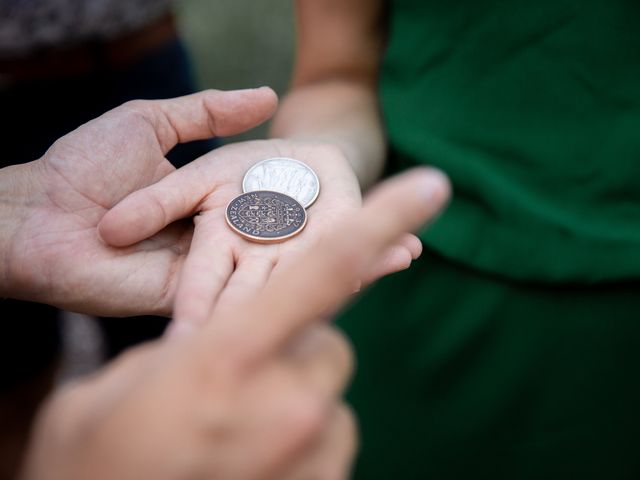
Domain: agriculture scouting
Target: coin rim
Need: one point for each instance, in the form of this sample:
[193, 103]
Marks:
[315, 175]
[263, 239]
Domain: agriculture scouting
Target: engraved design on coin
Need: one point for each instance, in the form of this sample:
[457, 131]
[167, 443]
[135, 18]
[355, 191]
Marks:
[284, 175]
[265, 216]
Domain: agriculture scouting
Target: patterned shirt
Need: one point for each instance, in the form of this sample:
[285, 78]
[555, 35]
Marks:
[30, 25]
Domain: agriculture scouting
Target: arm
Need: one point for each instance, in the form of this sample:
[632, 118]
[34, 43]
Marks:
[333, 97]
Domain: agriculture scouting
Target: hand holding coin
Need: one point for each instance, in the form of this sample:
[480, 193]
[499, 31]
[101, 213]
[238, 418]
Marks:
[276, 193]
[222, 265]
[256, 393]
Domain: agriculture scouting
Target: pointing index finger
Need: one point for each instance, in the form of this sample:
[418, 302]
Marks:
[321, 279]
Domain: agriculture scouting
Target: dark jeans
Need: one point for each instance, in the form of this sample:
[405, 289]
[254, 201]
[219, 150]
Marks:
[35, 114]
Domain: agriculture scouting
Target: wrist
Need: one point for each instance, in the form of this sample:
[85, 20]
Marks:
[345, 114]
[17, 189]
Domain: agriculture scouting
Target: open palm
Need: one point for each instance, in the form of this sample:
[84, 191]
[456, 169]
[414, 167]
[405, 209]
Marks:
[221, 265]
[56, 254]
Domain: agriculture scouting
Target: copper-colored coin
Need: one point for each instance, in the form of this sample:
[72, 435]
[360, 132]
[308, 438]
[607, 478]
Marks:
[266, 217]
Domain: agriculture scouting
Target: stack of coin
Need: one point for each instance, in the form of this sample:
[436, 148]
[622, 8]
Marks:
[277, 192]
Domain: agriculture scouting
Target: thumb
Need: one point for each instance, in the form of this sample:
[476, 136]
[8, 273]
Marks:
[183, 119]
[206, 114]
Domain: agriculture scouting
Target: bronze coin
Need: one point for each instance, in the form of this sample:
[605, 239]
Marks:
[266, 217]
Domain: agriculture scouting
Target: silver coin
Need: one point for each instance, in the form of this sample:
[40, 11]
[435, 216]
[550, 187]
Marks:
[284, 175]
[265, 216]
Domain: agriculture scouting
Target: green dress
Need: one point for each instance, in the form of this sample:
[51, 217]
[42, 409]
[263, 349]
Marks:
[511, 348]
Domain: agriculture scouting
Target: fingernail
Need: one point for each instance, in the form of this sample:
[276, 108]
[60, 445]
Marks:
[436, 185]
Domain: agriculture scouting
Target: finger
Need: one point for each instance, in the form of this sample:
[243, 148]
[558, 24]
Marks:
[323, 278]
[95, 394]
[274, 422]
[201, 115]
[205, 273]
[412, 243]
[147, 211]
[211, 113]
[322, 358]
[395, 258]
[289, 418]
[250, 275]
[331, 457]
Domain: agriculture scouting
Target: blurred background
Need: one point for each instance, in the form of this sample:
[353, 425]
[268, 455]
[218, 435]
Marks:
[239, 43]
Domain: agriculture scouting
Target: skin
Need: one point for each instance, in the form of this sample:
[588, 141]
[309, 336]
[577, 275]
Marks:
[50, 208]
[334, 94]
[262, 377]
[330, 120]
[56, 219]
[238, 266]
[260, 381]
[250, 369]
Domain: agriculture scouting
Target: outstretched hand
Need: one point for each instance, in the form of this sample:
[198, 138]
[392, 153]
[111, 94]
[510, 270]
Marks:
[221, 265]
[55, 254]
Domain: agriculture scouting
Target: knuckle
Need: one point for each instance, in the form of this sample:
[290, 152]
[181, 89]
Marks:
[397, 258]
[213, 106]
[341, 352]
[134, 107]
[159, 206]
[307, 417]
[347, 426]
[211, 93]
[135, 114]
[339, 446]
[345, 436]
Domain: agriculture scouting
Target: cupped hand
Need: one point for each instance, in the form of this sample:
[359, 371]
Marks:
[222, 265]
[255, 393]
[56, 255]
